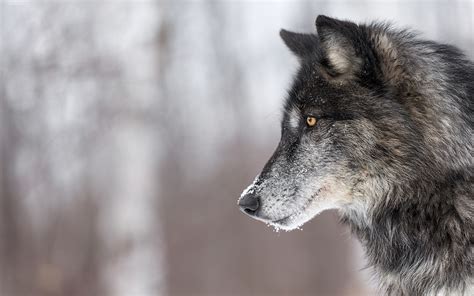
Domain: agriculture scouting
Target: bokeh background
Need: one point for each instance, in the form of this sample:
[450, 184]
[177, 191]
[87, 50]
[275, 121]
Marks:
[128, 130]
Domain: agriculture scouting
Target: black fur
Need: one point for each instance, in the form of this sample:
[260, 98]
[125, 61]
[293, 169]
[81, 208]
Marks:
[395, 128]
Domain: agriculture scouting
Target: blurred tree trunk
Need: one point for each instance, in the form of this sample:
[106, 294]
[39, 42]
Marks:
[78, 163]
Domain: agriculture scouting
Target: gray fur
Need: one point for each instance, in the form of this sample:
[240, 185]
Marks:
[392, 151]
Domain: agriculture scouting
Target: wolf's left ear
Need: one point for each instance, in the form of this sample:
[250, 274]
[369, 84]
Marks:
[300, 44]
[339, 42]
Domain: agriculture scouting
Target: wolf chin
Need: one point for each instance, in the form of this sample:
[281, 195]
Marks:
[378, 124]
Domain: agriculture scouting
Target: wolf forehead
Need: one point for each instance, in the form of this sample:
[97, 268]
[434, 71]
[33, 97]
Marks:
[311, 88]
[312, 94]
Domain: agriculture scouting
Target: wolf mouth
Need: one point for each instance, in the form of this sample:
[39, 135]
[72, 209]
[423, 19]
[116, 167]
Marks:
[284, 221]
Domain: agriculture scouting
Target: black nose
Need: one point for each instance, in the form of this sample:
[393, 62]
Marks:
[249, 204]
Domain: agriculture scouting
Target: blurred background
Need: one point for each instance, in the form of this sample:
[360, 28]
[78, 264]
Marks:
[128, 130]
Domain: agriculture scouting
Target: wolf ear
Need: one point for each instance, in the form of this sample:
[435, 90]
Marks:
[338, 41]
[300, 44]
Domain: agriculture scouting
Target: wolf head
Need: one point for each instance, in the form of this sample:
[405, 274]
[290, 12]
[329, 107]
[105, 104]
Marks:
[354, 121]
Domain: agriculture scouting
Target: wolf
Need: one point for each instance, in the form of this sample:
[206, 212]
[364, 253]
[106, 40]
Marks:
[378, 124]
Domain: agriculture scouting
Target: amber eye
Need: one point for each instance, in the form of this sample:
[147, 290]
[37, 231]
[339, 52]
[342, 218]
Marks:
[311, 121]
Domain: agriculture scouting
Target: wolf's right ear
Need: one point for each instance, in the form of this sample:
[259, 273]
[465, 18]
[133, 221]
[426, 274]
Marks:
[300, 44]
[340, 43]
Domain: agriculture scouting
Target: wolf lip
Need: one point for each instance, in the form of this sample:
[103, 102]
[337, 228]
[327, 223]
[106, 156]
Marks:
[282, 220]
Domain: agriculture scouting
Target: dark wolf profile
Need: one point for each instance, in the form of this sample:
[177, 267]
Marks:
[379, 125]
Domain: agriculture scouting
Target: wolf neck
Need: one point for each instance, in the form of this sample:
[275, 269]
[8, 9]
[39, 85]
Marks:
[419, 238]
